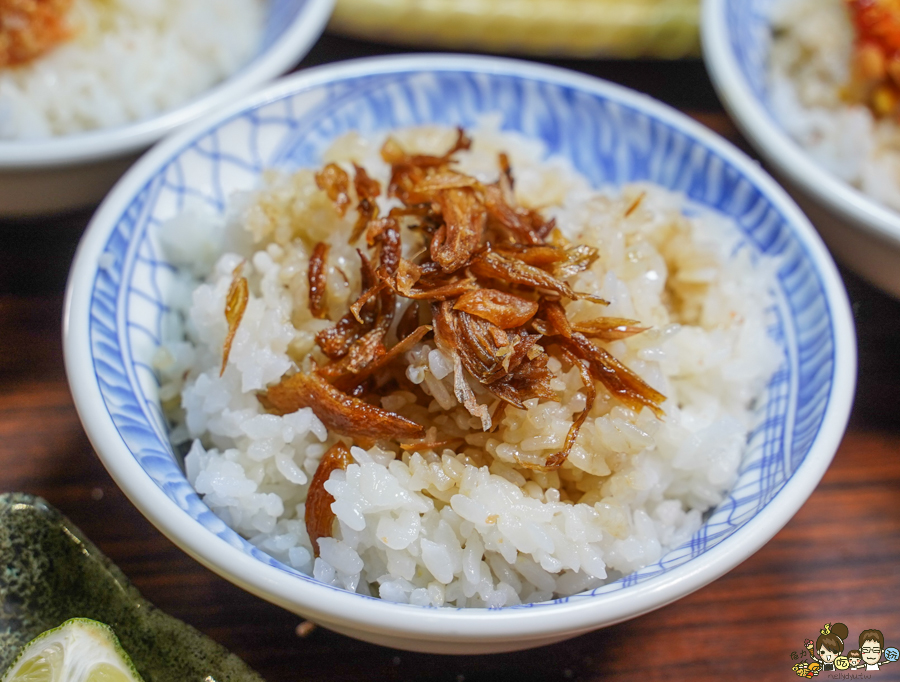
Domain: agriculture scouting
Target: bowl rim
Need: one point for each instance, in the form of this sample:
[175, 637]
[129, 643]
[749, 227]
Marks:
[780, 150]
[105, 143]
[324, 604]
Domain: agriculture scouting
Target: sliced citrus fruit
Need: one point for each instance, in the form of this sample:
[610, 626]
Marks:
[79, 650]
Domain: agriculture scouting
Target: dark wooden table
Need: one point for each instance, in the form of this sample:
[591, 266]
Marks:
[837, 560]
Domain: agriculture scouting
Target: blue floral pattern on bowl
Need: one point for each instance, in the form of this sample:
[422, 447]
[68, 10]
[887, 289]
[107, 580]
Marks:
[604, 136]
[751, 36]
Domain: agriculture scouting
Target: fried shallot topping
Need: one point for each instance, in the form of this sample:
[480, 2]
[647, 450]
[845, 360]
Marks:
[30, 28]
[627, 386]
[341, 413]
[609, 328]
[490, 285]
[367, 190]
[235, 304]
[319, 517]
[493, 265]
[502, 309]
[334, 181]
[317, 273]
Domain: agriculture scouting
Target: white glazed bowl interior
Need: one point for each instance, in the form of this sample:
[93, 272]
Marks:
[47, 170]
[117, 287]
[860, 231]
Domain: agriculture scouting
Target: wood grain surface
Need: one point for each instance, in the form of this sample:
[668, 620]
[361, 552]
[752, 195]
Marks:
[837, 560]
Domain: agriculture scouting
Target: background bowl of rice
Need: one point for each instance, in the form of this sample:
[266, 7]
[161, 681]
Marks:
[116, 304]
[40, 175]
[862, 232]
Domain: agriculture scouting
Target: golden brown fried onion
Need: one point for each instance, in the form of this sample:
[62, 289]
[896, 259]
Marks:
[318, 517]
[494, 277]
[334, 181]
[317, 281]
[235, 304]
[502, 309]
[340, 413]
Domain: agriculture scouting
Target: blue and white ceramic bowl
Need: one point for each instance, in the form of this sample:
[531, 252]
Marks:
[861, 232]
[612, 135]
[60, 173]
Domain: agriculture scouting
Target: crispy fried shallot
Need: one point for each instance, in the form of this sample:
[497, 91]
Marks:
[335, 341]
[552, 320]
[577, 259]
[319, 518]
[409, 321]
[442, 179]
[442, 292]
[334, 181]
[349, 373]
[525, 226]
[466, 395]
[406, 277]
[627, 386]
[361, 354]
[438, 445]
[481, 349]
[539, 255]
[393, 153]
[316, 276]
[491, 281]
[529, 380]
[609, 328]
[502, 361]
[339, 412]
[457, 239]
[235, 305]
[385, 233]
[364, 298]
[366, 187]
[633, 206]
[503, 309]
[367, 190]
[493, 265]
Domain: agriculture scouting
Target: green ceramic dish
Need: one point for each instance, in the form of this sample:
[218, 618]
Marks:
[51, 572]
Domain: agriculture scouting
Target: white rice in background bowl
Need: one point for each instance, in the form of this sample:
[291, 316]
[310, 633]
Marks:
[127, 60]
[470, 526]
[809, 68]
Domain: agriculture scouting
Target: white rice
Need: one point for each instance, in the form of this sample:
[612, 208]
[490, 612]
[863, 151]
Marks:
[129, 60]
[470, 527]
[809, 64]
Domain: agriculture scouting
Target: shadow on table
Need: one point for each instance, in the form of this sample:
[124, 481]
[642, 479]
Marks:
[877, 318]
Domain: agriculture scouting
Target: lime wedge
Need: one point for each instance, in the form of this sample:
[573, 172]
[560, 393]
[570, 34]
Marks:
[79, 650]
